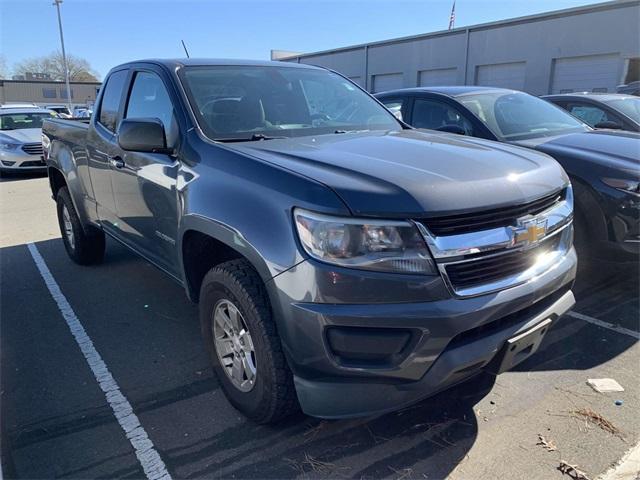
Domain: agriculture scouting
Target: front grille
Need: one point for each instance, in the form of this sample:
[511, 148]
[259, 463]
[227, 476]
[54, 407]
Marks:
[488, 219]
[33, 163]
[494, 268]
[33, 148]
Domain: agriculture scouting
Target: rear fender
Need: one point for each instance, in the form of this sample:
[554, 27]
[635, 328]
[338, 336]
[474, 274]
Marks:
[62, 159]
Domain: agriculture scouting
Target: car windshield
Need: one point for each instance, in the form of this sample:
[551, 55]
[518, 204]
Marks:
[517, 116]
[18, 121]
[258, 102]
[629, 106]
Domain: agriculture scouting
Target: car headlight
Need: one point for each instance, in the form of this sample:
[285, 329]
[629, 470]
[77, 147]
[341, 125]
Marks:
[8, 146]
[628, 186]
[381, 245]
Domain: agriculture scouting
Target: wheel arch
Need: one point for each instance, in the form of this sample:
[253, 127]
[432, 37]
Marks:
[587, 208]
[204, 243]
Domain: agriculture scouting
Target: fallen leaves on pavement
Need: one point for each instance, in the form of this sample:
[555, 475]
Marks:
[572, 471]
[548, 445]
[597, 419]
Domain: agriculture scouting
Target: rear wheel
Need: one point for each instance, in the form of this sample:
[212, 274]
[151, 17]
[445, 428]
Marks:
[84, 246]
[243, 343]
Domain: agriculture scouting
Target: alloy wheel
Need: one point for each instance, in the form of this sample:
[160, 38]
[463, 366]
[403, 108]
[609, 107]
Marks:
[233, 345]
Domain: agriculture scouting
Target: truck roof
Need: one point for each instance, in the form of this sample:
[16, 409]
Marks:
[173, 63]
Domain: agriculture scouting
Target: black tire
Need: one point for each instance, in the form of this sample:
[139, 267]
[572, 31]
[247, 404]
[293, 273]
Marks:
[88, 245]
[272, 396]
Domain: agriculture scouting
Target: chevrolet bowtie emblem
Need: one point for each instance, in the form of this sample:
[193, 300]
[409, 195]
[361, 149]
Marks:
[529, 231]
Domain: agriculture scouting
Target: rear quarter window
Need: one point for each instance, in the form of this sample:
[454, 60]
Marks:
[110, 104]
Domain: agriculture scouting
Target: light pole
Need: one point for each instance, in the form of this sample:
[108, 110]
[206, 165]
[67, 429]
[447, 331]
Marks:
[64, 55]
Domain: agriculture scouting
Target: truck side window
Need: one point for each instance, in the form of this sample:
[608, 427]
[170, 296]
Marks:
[111, 100]
[149, 99]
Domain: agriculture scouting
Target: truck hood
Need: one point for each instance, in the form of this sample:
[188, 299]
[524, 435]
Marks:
[414, 173]
[605, 148]
[22, 135]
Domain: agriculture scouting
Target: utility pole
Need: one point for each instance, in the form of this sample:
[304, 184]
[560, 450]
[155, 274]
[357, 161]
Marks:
[64, 55]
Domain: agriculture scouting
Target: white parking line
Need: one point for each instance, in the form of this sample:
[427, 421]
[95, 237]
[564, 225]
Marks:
[149, 459]
[607, 325]
[627, 469]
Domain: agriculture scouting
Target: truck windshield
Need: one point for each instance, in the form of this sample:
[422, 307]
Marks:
[517, 116]
[17, 121]
[235, 103]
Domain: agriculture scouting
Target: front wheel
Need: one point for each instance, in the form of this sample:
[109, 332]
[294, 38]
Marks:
[84, 246]
[243, 343]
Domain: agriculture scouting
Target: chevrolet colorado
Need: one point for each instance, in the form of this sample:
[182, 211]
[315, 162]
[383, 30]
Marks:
[343, 262]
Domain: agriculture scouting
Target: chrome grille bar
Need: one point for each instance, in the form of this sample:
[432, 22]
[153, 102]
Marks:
[497, 258]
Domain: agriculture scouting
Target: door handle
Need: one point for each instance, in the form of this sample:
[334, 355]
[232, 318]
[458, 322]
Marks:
[116, 162]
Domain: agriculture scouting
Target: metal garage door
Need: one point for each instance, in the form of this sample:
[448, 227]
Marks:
[597, 73]
[440, 76]
[505, 75]
[388, 81]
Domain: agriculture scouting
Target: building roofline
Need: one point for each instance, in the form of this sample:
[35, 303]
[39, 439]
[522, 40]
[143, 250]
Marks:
[57, 82]
[596, 7]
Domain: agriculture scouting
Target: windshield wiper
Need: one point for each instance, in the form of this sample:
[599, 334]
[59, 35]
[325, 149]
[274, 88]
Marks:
[252, 138]
[352, 131]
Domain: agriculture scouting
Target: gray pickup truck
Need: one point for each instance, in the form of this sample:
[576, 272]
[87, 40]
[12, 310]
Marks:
[344, 263]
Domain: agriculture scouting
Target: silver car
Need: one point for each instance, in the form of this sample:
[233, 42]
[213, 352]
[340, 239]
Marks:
[21, 139]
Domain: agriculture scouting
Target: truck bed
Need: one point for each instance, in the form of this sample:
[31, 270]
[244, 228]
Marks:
[72, 133]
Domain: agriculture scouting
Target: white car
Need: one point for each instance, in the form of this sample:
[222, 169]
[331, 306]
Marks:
[21, 139]
[61, 110]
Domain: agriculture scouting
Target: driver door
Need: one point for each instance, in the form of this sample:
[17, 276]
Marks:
[144, 183]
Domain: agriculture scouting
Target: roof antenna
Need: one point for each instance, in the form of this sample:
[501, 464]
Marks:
[185, 49]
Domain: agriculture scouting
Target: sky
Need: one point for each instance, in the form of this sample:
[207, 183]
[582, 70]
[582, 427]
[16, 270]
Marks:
[110, 32]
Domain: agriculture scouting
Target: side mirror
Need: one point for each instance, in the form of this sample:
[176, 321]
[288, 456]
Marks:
[142, 135]
[608, 124]
[457, 129]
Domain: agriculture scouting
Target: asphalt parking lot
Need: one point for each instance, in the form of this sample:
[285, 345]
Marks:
[56, 421]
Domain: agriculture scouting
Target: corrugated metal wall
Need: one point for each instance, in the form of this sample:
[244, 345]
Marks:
[519, 52]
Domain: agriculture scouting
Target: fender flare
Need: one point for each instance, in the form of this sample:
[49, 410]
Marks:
[224, 234]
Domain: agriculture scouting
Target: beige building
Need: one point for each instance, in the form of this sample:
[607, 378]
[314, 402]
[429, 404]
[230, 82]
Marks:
[47, 92]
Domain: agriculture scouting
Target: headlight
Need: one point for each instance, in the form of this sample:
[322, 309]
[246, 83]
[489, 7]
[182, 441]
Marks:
[381, 245]
[629, 186]
[8, 146]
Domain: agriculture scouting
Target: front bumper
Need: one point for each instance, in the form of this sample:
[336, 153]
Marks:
[424, 346]
[20, 161]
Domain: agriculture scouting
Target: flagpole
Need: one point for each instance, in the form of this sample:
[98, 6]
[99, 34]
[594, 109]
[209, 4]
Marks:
[452, 17]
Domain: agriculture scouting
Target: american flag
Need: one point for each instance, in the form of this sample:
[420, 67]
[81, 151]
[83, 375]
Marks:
[452, 18]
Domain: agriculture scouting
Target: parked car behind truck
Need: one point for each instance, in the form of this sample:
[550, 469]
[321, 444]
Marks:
[21, 139]
[604, 165]
[343, 262]
[601, 110]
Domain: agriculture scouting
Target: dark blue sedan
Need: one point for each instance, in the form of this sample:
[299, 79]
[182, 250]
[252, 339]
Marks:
[604, 165]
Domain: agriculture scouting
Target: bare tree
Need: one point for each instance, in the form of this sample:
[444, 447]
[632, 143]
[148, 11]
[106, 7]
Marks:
[79, 69]
[4, 72]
